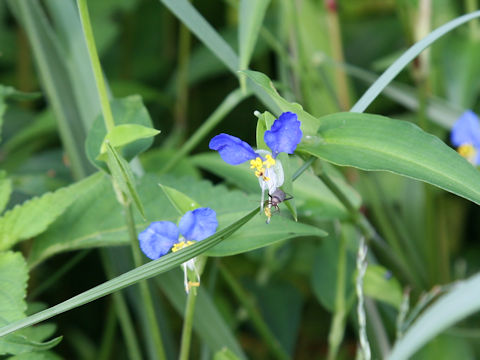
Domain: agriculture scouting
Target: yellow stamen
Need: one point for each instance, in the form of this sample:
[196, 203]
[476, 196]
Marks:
[260, 166]
[467, 151]
[193, 284]
[181, 245]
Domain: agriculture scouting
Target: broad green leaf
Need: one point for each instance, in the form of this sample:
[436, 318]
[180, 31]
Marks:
[140, 273]
[312, 197]
[372, 142]
[96, 218]
[34, 216]
[250, 18]
[258, 234]
[462, 301]
[208, 322]
[13, 285]
[125, 134]
[179, 200]
[5, 190]
[129, 110]
[123, 176]
[309, 124]
[379, 284]
[19, 344]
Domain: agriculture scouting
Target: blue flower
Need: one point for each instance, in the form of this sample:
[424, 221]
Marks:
[284, 136]
[162, 236]
[465, 136]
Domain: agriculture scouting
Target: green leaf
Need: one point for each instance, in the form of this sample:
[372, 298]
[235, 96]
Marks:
[125, 134]
[394, 69]
[127, 111]
[96, 219]
[197, 24]
[5, 190]
[179, 200]
[309, 124]
[13, 287]
[8, 92]
[462, 301]
[250, 18]
[372, 142]
[123, 176]
[143, 272]
[19, 344]
[44, 355]
[379, 284]
[258, 234]
[225, 354]
[34, 216]
[446, 347]
[264, 123]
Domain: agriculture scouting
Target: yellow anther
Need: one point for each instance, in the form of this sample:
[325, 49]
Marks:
[260, 166]
[256, 164]
[181, 245]
[193, 284]
[467, 151]
[270, 161]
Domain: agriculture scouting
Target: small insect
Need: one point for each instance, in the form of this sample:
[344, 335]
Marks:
[275, 198]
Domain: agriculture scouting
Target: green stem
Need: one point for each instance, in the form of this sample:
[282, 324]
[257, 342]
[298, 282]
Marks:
[121, 310]
[108, 336]
[337, 52]
[182, 79]
[187, 325]
[337, 328]
[230, 102]
[363, 224]
[265, 333]
[97, 69]
[471, 6]
[154, 330]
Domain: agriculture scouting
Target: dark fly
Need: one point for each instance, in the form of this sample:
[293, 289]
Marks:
[275, 198]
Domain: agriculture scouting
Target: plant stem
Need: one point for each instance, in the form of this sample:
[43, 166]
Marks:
[187, 325]
[232, 100]
[97, 69]
[336, 43]
[181, 105]
[337, 328]
[248, 303]
[154, 330]
[123, 315]
[108, 336]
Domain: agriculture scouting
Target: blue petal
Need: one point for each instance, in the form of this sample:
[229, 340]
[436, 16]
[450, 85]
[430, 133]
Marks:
[466, 130]
[158, 238]
[198, 224]
[285, 134]
[232, 150]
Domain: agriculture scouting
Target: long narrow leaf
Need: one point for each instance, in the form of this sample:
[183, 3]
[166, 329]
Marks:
[140, 273]
[394, 69]
[463, 301]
